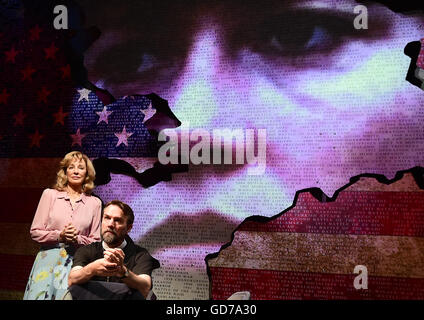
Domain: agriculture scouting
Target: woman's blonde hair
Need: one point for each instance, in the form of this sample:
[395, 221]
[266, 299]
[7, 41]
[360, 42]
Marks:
[62, 179]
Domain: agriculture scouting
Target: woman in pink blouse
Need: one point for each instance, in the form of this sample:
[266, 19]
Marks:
[67, 217]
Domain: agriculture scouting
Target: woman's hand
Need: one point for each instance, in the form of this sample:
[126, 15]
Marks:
[68, 234]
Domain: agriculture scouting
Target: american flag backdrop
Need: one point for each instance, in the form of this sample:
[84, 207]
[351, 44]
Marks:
[310, 251]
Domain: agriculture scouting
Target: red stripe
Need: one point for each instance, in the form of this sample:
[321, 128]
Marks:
[281, 285]
[360, 213]
[15, 271]
[19, 204]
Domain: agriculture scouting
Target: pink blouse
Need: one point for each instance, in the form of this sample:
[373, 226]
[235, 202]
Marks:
[55, 211]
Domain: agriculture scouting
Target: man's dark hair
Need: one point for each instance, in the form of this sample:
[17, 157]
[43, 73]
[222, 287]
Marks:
[126, 209]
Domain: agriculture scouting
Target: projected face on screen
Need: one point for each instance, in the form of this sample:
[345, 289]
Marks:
[333, 100]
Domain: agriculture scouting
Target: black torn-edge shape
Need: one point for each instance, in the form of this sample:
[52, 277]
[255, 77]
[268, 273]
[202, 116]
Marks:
[404, 7]
[412, 50]
[317, 193]
[158, 173]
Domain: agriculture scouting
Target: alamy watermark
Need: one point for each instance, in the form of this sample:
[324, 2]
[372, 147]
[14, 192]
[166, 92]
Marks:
[361, 20]
[61, 20]
[361, 280]
[218, 147]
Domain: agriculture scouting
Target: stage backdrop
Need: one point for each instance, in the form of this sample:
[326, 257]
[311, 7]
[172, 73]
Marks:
[324, 100]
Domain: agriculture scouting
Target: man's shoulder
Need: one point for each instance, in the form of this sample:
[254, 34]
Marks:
[143, 254]
[94, 246]
[139, 248]
[86, 254]
[136, 247]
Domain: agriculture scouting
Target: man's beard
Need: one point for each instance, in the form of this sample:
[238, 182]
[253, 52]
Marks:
[111, 238]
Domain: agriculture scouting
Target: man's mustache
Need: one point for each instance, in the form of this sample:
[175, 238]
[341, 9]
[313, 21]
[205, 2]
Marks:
[111, 231]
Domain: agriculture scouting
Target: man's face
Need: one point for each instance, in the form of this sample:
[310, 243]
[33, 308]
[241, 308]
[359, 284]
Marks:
[114, 226]
[331, 97]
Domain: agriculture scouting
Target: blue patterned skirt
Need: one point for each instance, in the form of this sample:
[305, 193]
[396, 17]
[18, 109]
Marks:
[48, 279]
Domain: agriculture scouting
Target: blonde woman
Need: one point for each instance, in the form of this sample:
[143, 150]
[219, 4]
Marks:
[67, 217]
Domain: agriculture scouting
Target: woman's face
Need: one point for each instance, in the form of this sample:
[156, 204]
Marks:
[76, 172]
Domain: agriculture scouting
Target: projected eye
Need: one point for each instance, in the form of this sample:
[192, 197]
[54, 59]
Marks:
[140, 57]
[148, 61]
[301, 32]
[317, 39]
